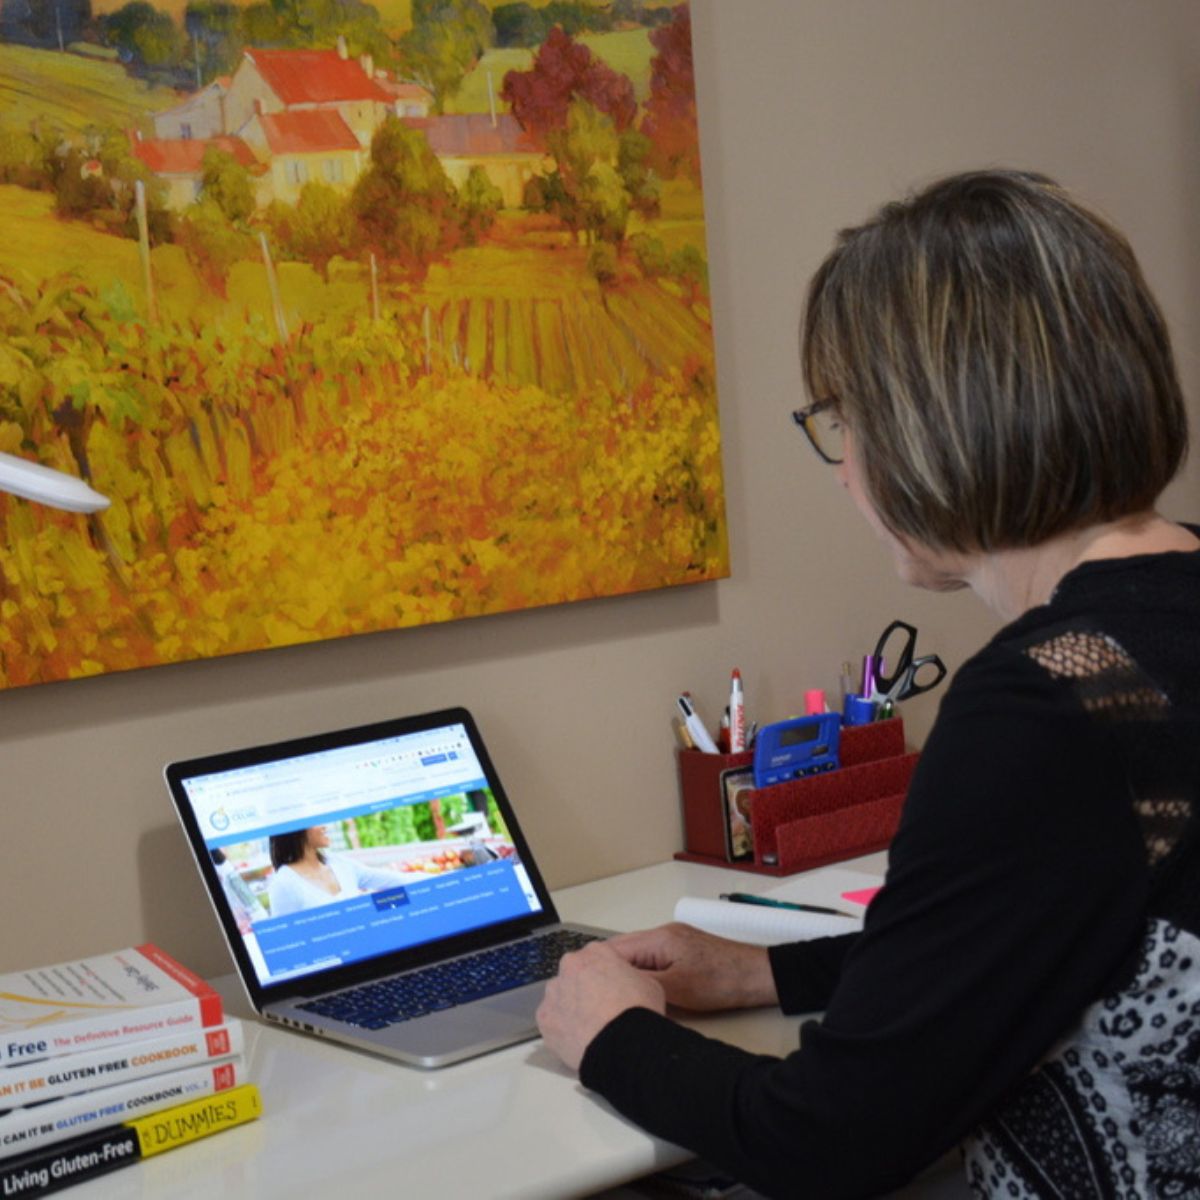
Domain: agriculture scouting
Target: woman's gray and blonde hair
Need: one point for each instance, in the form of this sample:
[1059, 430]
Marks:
[1003, 369]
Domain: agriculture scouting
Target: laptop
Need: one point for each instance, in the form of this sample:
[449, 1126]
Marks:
[375, 887]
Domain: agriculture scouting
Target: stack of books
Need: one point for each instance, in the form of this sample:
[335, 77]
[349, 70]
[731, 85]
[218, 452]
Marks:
[108, 1060]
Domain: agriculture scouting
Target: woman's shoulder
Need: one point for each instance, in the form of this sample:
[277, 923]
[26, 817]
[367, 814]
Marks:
[1004, 673]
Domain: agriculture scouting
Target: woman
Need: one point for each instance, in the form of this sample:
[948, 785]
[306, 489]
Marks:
[995, 385]
[307, 874]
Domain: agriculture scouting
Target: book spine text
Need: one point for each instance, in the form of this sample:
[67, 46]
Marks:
[43, 1124]
[58, 1166]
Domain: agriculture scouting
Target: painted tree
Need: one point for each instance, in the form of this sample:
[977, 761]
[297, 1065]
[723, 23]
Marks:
[144, 36]
[404, 206]
[633, 165]
[479, 201]
[446, 40]
[586, 150]
[563, 70]
[317, 24]
[214, 231]
[519, 24]
[214, 28]
[227, 184]
[94, 177]
[78, 192]
[213, 243]
[123, 170]
[22, 160]
[638, 12]
[262, 25]
[318, 228]
[51, 23]
[522, 24]
[670, 120]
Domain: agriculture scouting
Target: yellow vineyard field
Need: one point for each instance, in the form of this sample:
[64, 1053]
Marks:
[267, 494]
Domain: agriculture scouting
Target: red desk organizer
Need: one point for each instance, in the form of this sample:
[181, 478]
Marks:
[805, 822]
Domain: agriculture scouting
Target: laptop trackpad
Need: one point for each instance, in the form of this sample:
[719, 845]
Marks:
[519, 1004]
[485, 1024]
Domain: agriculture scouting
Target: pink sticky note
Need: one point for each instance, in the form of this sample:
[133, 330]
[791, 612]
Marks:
[863, 896]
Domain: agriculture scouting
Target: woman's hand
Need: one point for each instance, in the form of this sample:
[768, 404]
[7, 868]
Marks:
[674, 964]
[699, 970]
[593, 986]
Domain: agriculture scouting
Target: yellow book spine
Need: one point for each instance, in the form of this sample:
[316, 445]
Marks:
[196, 1119]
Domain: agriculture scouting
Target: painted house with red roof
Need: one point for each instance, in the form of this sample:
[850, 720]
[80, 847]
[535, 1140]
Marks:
[302, 145]
[408, 99]
[309, 115]
[275, 81]
[179, 162]
[508, 154]
[201, 115]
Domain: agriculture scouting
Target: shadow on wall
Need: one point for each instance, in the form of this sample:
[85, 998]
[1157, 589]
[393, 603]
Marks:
[53, 708]
[176, 913]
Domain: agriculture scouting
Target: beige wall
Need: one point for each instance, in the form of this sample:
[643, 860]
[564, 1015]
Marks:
[813, 111]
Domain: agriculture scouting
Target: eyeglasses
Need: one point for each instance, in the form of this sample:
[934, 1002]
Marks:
[825, 429]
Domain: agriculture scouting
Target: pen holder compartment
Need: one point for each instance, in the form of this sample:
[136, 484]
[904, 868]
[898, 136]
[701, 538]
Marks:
[702, 788]
[802, 823]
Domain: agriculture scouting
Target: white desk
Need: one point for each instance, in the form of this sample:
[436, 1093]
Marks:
[511, 1124]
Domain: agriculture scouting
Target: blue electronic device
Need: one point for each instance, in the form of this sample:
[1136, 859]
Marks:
[797, 747]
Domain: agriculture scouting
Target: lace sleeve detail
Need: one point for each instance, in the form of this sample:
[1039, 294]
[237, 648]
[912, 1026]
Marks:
[1111, 687]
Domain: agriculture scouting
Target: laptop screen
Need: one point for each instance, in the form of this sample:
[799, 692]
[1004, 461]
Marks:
[342, 853]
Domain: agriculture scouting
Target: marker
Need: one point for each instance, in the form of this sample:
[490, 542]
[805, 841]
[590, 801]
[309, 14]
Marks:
[767, 902]
[868, 675]
[737, 714]
[695, 726]
[814, 702]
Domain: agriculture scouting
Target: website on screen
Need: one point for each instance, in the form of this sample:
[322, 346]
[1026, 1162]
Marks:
[346, 854]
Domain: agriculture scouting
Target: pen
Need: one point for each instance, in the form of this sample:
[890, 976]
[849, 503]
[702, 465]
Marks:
[695, 726]
[737, 713]
[681, 732]
[767, 902]
[846, 682]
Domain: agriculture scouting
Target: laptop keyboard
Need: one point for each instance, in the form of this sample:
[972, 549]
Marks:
[445, 985]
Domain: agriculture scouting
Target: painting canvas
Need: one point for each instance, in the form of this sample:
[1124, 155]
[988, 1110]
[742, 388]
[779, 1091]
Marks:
[361, 315]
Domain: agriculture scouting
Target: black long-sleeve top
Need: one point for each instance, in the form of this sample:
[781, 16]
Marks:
[1049, 836]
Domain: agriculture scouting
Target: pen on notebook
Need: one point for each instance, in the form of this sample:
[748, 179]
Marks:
[695, 726]
[767, 902]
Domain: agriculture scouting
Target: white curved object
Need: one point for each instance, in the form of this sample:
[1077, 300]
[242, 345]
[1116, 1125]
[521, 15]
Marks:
[45, 485]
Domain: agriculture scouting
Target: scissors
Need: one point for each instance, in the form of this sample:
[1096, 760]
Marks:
[910, 676]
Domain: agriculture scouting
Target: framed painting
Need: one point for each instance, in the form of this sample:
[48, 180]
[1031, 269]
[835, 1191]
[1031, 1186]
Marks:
[360, 315]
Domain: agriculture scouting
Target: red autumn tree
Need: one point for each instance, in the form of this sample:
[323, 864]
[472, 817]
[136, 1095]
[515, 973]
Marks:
[670, 121]
[564, 70]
